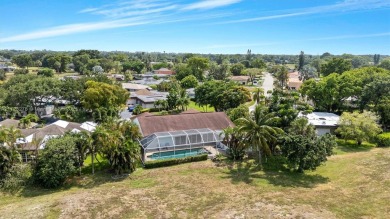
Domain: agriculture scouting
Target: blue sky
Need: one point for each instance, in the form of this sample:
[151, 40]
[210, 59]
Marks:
[198, 26]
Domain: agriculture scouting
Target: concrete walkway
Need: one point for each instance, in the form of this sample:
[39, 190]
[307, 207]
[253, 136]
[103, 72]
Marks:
[268, 84]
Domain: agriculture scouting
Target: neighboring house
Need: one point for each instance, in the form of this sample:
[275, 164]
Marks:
[185, 134]
[323, 122]
[146, 98]
[7, 68]
[243, 80]
[293, 81]
[134, 87]
[42, 135]
[118, 77]
[163, 71]
[8, 123]
[191, 93]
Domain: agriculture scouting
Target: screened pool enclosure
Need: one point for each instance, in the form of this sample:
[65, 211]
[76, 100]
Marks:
[177, 144]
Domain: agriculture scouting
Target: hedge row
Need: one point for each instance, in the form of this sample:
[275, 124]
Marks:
[383, 140]
[174, 161]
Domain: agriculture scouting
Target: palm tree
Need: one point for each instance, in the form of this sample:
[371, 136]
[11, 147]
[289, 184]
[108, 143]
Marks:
[11, 135]
[183, 100]
[233, 140]
[259, 131]
[258, 95]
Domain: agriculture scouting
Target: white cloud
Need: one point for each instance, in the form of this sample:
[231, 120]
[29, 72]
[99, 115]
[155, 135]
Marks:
[208, 4]
[345, 6]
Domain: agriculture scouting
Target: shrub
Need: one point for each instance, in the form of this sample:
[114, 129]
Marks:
[171, 162]
[56, 162]
[47, 72]
[16, 178]
[383, 140]
[20, 71]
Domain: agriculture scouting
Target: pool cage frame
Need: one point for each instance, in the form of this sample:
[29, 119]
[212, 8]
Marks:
[160, 142]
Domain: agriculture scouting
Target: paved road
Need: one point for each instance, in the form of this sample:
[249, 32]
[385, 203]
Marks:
[268, 84]
[125, 114]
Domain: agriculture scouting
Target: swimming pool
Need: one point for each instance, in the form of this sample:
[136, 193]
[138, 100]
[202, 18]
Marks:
[177, 154]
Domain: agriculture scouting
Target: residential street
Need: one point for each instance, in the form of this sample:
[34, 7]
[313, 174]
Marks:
[268, 84]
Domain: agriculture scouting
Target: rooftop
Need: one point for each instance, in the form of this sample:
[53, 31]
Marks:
[322, 118]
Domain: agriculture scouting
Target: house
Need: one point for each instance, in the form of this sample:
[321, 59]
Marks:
[34, 139]
[134, 87]
[7, 68]
[322, 121]
[118, 77]
[146, 98]
[185, 134]
[294, 83]
[8, 123]
[243, 80]
[163, 71]
[191, 93]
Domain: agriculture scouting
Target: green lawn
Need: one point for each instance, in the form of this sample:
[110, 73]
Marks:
[201, 109]
[352, 184]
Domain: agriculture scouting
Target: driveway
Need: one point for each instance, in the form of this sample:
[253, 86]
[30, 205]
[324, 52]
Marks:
[125, 114]
[268, 84]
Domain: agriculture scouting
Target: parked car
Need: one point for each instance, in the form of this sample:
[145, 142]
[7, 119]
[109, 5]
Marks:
[255, 83]
[131, 108]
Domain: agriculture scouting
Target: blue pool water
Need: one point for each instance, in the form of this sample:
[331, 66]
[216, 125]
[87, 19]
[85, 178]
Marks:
[177, 154]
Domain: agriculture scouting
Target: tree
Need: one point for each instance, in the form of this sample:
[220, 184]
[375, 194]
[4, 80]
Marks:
[301, 61]
[119, 143]
[252, 73]
[258, 130]
[358, 61]
[137, 110]
[358, 126]
[282, 76]
[232, 98]
[56, 162]
[183, 100]
[258, 95]
[336, 65]
[20, 71]
[97, 69]
[26, 121]
[47, 72]
[8, 158]
[189, 82]
[242, 111]
[22, 60]
[383, 110]
[258, 63]
[377, 57]
[232, 138]
[181, 71]
[2, 75]
[306, 153]
[84, 145]
[161, 104]
[385, 64]
[301, 126]
[219, 72]
[307, 72]
[198, 66]
[237, 68]
[136, 66]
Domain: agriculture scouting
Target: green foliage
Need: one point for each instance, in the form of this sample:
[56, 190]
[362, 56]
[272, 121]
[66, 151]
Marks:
[383, 140]
[137, 110]
[182, 71]
[237, 69]
[305, 153]
[16, 178]
[258, 63]
[307, 72]
[160, 65]
[336, 65]
[47, 72]
[281, 75]
[2, 75]
[232, 98]
[136, 66]
[26, 121]
[301, 62]
[176, 161]
[301, 126]
[118, 142]
[22, 60]
[198, 66]
[358, 126]
[20, 71]
[385, 64]
[71, 113]
[56, 162]
[242, 111]
[233, 139]
[219, 72]
[102, 95]
[8, 158]
[189, 81]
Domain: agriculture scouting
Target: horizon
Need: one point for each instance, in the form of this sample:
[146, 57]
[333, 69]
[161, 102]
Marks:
[227, 27]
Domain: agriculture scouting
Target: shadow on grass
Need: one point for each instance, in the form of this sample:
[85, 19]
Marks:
[350, 146]
[249, 172]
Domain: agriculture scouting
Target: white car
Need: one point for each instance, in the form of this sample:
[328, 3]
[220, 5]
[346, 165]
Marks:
[254, 83]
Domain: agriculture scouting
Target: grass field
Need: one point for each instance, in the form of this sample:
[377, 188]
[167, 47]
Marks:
[200, 109]
[353, 184]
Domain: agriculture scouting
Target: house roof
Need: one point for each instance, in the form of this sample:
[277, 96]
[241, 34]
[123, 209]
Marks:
[131, 86]
[322, 118]
[240, 78]
[150, 124]
[8, 123]
[143, 92]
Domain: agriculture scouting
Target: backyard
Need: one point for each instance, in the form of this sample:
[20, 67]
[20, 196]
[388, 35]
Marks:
[354, 183]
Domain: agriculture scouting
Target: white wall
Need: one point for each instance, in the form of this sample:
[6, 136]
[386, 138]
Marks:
[322, 131]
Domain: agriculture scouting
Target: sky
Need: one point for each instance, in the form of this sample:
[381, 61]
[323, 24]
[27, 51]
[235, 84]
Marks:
[198, 26]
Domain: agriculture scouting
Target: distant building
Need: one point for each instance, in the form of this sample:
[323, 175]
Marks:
[146, 98]
[163, 71]
[243, 80]
[323, 122]
[7, 68]
[293, 81]
[134, 87]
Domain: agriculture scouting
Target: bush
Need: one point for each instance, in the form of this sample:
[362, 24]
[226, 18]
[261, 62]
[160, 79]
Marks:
[383, 140]
[20, 71]
[16, 178]
[171, 162]
[47, 72]
[56, 162]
